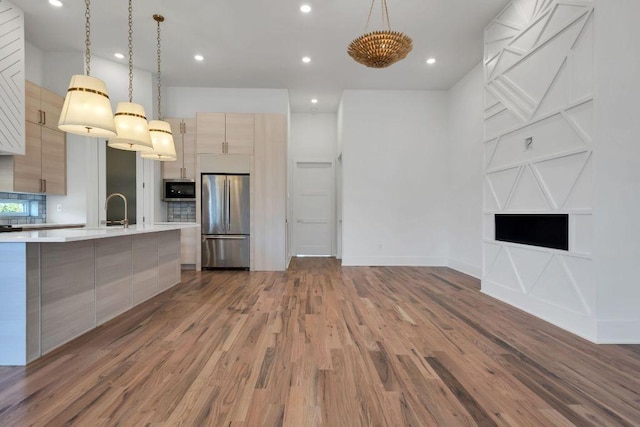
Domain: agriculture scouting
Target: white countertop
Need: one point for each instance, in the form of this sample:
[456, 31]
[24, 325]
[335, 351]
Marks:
[88, 233]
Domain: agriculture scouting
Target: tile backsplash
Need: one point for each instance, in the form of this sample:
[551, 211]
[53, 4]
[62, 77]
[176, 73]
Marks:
[41, 216]
[181, 211]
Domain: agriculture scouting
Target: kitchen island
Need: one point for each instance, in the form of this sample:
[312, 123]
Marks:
[58, 284]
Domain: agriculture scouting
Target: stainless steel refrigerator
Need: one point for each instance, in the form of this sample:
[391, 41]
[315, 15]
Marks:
[225, 221]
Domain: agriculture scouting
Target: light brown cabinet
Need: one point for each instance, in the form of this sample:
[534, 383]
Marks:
[184, 138]
[225, 133]
[189, 238]
[269, 194]
[43, 167]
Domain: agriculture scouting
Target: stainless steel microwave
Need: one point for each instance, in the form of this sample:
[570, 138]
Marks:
[179, 190]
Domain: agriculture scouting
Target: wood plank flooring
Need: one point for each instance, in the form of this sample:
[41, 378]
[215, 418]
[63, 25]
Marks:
[322, 345]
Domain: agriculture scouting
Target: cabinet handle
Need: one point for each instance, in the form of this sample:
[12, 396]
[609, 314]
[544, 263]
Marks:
[39, 117]
[44, 120]
[44, 181]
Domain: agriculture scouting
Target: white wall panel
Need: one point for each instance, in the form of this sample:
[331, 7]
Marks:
[543, 75]
[12, 140]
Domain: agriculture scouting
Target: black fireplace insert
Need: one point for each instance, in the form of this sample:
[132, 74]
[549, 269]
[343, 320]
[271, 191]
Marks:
[545, 230]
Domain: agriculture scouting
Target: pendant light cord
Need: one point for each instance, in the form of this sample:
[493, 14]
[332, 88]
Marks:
[130, 51]
[159, 81]
[385, 15]
[87, 40]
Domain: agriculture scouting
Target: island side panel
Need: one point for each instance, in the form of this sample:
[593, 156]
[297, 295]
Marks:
[114, 273]
[168, 259]
[33, 301]
[13, 303]
[67, 291]
[145, 267]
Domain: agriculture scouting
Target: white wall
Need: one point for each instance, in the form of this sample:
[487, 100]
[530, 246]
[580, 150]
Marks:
[34, 64]
[464, 173]
[187, 101]
[617, 171]
[58, 69]
[394, 196]
[314, 136]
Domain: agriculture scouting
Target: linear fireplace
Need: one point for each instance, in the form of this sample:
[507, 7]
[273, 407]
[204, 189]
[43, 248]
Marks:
[545, 230]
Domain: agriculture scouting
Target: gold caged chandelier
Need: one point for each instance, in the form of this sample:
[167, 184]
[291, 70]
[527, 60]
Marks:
[380, 49]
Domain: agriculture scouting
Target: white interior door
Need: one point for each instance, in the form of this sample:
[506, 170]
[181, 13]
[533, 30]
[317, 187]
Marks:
[314, 226]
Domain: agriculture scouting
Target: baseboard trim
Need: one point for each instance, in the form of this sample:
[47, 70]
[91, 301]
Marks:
[578, 324]
[348, 261]
[619, 331]
[463, 267]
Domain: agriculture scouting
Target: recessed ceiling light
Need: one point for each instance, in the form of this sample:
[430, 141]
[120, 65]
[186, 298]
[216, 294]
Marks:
[56, 3]
[305, 8]
[431, 61]
[118, 55]
[314, 101]
[306, 59]
[198, 58]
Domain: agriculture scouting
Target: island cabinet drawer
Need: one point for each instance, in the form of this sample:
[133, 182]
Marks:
[67, 291]
[113, 277]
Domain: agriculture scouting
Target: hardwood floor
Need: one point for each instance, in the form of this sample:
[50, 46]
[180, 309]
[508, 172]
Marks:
[331, 346]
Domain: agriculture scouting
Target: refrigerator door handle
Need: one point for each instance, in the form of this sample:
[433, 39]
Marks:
[229, 206]
[225, 237]
[225, 222]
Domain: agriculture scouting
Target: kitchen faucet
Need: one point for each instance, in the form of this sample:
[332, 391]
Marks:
[125, 221]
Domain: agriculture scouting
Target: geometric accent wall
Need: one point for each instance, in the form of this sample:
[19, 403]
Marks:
[12, 139]
[538, 155]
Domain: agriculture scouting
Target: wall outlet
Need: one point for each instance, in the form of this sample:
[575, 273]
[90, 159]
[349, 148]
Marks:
[528, 143]
[59, 207]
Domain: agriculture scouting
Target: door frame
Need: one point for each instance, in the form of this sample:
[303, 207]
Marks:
[332, 198]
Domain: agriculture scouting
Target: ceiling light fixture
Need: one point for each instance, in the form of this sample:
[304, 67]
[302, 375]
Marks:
[86, 110]
[131, 122]
[118, 55]
[314, 101]
[431, 61]
[163, 147]
[198, 58]
[56, 3]
[305, 8]
[380, 49]
[306, 59]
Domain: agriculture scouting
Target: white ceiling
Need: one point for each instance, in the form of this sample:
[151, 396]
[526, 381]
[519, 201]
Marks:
[260, 43]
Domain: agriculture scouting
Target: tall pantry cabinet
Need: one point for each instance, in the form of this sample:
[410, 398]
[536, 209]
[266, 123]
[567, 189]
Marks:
[269, 198]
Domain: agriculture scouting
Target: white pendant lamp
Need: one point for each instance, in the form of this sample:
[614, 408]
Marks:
[131, 122]
[163, 147]
[87, 110]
